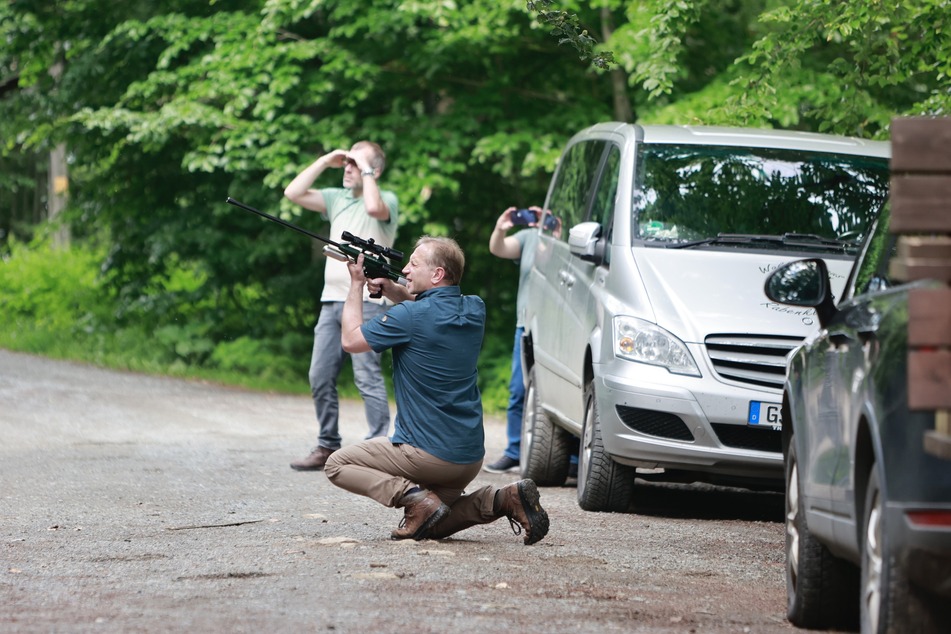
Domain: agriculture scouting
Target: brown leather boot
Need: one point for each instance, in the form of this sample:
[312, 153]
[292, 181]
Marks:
[422, 512]
[315, 461]
[519, 502]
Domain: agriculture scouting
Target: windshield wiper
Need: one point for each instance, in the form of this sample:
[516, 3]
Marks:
[726, 238]
[810, 240]
[813, 239]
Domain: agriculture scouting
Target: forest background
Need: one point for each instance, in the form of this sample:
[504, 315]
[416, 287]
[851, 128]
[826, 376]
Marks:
[124, 127]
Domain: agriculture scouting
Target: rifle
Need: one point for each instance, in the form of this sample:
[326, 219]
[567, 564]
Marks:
[374, 255]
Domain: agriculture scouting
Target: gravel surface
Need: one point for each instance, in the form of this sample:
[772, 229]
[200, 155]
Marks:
[147, 504]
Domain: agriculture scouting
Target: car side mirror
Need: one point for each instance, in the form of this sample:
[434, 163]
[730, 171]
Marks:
[803, 283]
[584, 241]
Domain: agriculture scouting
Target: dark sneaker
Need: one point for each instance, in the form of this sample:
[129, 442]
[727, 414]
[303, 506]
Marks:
[519, 502]
[420, 517]
[502, 465]
[315, 461]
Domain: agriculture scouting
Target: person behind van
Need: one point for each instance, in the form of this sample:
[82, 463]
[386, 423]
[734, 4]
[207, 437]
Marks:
[361, 207]
[520, 247]
[435, 333]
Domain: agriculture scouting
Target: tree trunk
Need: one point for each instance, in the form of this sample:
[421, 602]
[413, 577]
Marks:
[622, 102]
[58, 183]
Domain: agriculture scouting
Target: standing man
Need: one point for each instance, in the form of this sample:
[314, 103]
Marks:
[367, 211]
[521, 248]
[435, 333]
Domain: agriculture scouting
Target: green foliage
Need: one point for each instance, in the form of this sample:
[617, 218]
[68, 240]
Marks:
[266, 359]
[566, 27]
[495, 370]
[54, 302]
[54, 294]
[843, 68]
[169, 107]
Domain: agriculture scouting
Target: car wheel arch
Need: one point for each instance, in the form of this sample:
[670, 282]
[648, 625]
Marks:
[787, 429]
[528, 351]
[592, 352]
[588, 372]
[863, 460]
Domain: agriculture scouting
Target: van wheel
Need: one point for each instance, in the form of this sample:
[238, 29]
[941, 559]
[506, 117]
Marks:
[603, 484]
[546, 448]
[821, 590]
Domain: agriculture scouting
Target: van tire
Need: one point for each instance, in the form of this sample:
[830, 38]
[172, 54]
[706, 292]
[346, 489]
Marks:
[545, 447]
[603, 484]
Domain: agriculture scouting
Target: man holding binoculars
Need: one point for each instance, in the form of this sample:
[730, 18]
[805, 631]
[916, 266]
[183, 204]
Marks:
[362, 208]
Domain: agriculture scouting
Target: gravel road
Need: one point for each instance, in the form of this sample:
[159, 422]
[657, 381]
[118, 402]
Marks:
[147, 504]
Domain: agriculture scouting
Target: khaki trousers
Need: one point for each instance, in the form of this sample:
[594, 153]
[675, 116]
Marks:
[384, 472]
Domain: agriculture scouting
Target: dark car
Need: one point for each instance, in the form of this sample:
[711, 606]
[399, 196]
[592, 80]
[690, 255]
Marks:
[868, 510]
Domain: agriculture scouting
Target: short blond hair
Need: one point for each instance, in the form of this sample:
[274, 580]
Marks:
[446, 254]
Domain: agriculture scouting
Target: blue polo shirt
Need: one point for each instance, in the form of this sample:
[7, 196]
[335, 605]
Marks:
[436, 341]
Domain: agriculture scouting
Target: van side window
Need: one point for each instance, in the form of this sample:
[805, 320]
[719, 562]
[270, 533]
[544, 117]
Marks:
[603, 208]
[573, 184]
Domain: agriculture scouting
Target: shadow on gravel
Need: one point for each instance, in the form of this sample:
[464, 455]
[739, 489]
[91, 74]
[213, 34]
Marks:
[706, 502]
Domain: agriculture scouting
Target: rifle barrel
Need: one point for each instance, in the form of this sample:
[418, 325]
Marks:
[289, 225]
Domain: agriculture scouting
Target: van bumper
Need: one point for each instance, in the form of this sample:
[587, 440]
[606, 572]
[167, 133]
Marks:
[653, 424]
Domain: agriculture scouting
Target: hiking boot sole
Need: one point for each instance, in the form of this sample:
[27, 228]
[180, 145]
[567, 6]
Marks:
[537, 516]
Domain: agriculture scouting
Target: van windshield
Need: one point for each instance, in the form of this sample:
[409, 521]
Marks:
[696, 196]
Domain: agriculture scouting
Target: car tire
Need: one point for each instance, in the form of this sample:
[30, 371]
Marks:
[890, 602]
[545, 448]
[603, 484]
[821, 589]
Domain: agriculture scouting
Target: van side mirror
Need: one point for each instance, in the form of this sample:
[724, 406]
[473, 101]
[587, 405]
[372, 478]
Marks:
[584, 241]
[803, 283]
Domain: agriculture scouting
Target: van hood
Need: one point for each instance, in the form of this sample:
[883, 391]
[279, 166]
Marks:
[695, 293]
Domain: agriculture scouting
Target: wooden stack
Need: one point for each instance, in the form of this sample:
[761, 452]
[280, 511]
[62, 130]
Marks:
[921, 215]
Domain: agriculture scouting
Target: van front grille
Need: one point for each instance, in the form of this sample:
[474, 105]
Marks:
[758, 360]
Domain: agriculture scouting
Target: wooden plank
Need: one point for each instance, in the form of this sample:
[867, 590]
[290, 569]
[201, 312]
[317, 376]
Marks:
[921, 204]
[919, 269]
[929, 317]
[921, 144]
[926, 247]
[938, 442]
[938, 445]
[929, 379]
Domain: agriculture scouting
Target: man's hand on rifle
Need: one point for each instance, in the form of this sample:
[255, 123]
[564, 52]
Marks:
[356, 272]
[394, 292]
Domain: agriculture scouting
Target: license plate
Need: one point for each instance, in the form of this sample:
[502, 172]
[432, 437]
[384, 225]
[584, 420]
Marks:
[766, 415]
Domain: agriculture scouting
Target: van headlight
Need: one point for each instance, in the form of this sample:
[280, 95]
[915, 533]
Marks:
[644, 342]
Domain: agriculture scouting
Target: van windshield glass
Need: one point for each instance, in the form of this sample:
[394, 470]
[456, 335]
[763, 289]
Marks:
[695, 196]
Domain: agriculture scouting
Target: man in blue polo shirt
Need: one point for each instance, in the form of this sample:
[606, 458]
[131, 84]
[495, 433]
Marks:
[435, 333]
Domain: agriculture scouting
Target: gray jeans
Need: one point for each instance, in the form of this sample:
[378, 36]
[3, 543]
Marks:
[325, 364]
[384, 472]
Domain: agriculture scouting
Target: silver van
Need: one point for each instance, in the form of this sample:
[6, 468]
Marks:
[647, 334]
